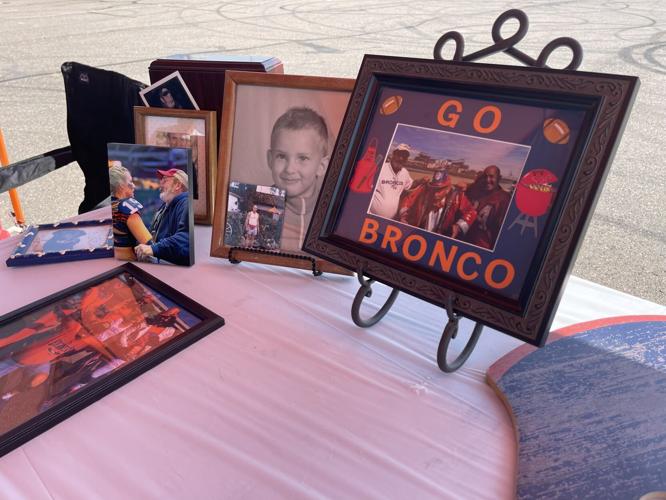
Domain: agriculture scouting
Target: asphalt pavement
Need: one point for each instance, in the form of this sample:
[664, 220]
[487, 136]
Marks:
[625, 245]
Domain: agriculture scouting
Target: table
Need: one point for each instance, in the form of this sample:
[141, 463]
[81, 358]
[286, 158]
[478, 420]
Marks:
[290, 399]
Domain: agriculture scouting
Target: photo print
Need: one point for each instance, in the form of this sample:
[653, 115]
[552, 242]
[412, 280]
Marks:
[255, 216]
[454, 185]
[169, 92]
[69, 238]
[151, 203]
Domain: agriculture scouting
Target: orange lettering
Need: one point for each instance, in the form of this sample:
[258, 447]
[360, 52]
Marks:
[423, 245]
[439, 252]
[497, 118]
[510, 273]
[369, 231]
[461, 265]
[449, 119]
[393, 234]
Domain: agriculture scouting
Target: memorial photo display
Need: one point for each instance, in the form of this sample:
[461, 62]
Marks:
[455, 185]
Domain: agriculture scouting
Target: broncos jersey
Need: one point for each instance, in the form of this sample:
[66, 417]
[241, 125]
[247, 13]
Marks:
[121, 209]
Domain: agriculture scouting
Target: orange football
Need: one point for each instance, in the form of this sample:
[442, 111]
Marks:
[390, 105]
[556, 131]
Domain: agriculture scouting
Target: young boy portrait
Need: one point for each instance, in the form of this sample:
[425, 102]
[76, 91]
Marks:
[298, 157]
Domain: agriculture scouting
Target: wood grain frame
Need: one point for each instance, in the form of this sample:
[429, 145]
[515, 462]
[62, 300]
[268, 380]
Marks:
[233, 80]
[205, 215]
[603, 101]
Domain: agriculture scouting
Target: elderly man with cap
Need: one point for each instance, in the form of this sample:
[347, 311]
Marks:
[438, 207]
[171, 226]
[393, 180]
[128, 227]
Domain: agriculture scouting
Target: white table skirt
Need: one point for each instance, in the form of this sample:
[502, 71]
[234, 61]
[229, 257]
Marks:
[290, 399]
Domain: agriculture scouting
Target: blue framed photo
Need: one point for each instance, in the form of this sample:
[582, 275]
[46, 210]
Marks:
[63, 242]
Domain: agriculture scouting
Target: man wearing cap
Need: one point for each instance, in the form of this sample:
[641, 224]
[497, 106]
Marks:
[170, 227]
[393, 180]
[438, 207]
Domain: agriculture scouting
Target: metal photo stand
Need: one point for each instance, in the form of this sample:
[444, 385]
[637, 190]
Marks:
[507, 45]
[235, 260]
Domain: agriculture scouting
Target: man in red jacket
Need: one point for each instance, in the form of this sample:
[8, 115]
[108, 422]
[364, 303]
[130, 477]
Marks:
[438, 207]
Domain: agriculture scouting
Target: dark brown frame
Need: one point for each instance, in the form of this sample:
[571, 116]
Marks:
[140, 114]
[87, 395]
[609, 99]
[232, 80]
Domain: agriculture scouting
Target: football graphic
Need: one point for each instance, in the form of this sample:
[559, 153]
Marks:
[390, 105]
[556, 131]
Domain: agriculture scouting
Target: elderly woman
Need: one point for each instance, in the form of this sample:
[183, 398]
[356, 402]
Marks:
[128, 228]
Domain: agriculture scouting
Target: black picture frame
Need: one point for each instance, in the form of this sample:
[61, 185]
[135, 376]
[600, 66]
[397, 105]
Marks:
[67, 248]
[556, 130]
[52, 332]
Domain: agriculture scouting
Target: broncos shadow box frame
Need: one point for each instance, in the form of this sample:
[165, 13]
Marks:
[66, 351]
[470, 182]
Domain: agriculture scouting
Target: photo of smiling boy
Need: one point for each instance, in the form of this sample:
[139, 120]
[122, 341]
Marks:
[298, 158]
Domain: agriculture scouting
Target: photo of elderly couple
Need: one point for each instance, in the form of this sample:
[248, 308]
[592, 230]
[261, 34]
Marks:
[151, 201]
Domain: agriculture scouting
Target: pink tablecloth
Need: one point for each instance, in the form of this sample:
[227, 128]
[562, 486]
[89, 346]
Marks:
[289, 399]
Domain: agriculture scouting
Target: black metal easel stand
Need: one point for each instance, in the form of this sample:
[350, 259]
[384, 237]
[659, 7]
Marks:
[501, 45]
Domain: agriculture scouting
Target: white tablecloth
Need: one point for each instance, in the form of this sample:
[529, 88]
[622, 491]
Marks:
[290, 399]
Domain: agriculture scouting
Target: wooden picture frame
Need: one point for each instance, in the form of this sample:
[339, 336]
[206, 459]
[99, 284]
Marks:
[503, 261]
[66, 351]
[64, 242]
[185, 128]
[253, 104]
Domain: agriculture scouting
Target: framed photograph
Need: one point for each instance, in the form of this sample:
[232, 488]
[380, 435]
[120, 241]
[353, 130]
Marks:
[66, 351]
[64, 241]
[169, 92]
[151, 203]
[178, 128]
[276, 131]
[470, 181]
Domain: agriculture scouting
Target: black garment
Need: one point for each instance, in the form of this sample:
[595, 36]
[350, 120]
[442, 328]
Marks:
[99, 110]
